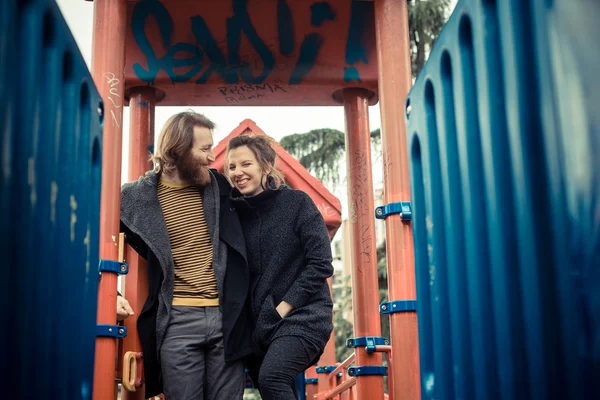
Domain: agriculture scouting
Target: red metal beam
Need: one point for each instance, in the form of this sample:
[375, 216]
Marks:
[108, 63]
[395, 80]
[365, 288]
[142, 104]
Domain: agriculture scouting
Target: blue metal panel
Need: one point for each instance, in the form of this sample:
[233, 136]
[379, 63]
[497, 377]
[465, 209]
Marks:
[50, 204]
[503, 125]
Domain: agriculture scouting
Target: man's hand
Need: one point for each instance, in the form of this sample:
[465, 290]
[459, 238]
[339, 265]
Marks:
[124, 310]
[284, 309]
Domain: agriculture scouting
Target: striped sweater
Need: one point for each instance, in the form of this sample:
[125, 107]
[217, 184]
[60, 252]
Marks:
[195, 283]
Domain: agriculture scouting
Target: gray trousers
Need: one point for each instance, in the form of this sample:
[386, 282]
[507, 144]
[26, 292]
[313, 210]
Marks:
[192, 358]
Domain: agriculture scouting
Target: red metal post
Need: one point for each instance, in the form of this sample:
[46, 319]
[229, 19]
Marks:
[395, 80]
[108, 63]
[311, 390]
[142, 103]
[328, 357]
[365, 288]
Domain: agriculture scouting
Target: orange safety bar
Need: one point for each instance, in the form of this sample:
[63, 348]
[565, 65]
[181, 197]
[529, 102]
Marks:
[394, 70]
[108, 56]
[347, 384]
[133, 371]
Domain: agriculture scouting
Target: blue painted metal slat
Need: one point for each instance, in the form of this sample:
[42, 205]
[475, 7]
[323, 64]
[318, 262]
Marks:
[50, 204]
[504, 123]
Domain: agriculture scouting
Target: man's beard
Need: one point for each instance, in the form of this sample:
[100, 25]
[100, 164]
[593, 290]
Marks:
[193, 171]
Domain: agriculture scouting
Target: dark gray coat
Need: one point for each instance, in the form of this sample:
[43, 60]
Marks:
[290, 259]
[143, 222]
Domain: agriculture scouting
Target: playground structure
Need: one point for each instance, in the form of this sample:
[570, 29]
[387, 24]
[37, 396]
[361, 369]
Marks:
[502, 131]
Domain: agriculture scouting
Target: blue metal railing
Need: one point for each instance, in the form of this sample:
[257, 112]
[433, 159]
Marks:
[504, 134]
[50, 204]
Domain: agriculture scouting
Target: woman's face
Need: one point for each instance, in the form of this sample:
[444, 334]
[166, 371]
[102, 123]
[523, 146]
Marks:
[244, 171]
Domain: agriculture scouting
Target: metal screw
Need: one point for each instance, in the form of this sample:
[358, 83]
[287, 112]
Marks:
[100, 111]
[349, 342]
[123, 268]
[384, 307]
[394, 306]
[110, 329]
[379, 211]
[408, 110]
[386, 341]
[121, 331]
[358, 370]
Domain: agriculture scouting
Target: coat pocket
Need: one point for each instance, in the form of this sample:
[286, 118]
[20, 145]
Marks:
[267, 322]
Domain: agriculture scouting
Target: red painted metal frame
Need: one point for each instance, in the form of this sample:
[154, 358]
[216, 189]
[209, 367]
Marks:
[365, 287]
[325, 74]
[391, 26]
[311, 390]
[395, 80]
[108, 63]
[142, 103]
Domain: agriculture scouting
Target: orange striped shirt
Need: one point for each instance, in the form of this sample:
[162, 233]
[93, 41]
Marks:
[191, 245]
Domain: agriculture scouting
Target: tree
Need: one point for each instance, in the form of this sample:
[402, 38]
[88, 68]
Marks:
[426, 18]
[322, 151]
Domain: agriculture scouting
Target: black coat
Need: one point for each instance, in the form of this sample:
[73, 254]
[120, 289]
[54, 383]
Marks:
[143, 222]
[289, 253]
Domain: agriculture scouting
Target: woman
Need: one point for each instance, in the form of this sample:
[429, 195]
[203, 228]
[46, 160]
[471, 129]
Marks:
[289, 256]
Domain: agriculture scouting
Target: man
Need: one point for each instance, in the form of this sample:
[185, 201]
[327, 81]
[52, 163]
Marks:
[194, 326]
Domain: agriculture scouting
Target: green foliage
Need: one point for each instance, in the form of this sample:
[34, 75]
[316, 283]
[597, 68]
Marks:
[342, 296]
[426, 18]
[320, 151]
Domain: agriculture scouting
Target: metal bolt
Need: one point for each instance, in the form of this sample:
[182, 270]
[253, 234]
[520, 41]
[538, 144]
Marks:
[379, 211]
[394, 306]
[121, 331]
[110, 330]
[408, 110]
[386, 342]
[358, 370]
[123, 269]
[384, 307]
[100, 111]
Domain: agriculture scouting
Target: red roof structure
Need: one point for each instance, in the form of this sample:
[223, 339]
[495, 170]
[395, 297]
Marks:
[295, 175]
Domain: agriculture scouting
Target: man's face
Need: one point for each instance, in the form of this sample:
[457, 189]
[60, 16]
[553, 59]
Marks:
[193, 166]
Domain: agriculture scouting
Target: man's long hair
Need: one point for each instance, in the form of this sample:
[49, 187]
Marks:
[176, 139]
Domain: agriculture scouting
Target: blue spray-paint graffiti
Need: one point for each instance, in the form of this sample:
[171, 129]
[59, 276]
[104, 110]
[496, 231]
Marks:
[320, 12]
[205, 57]
[309, 51]
[355, 49]
[285, 26]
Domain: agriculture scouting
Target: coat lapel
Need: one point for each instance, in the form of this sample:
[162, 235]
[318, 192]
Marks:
[142, 214]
